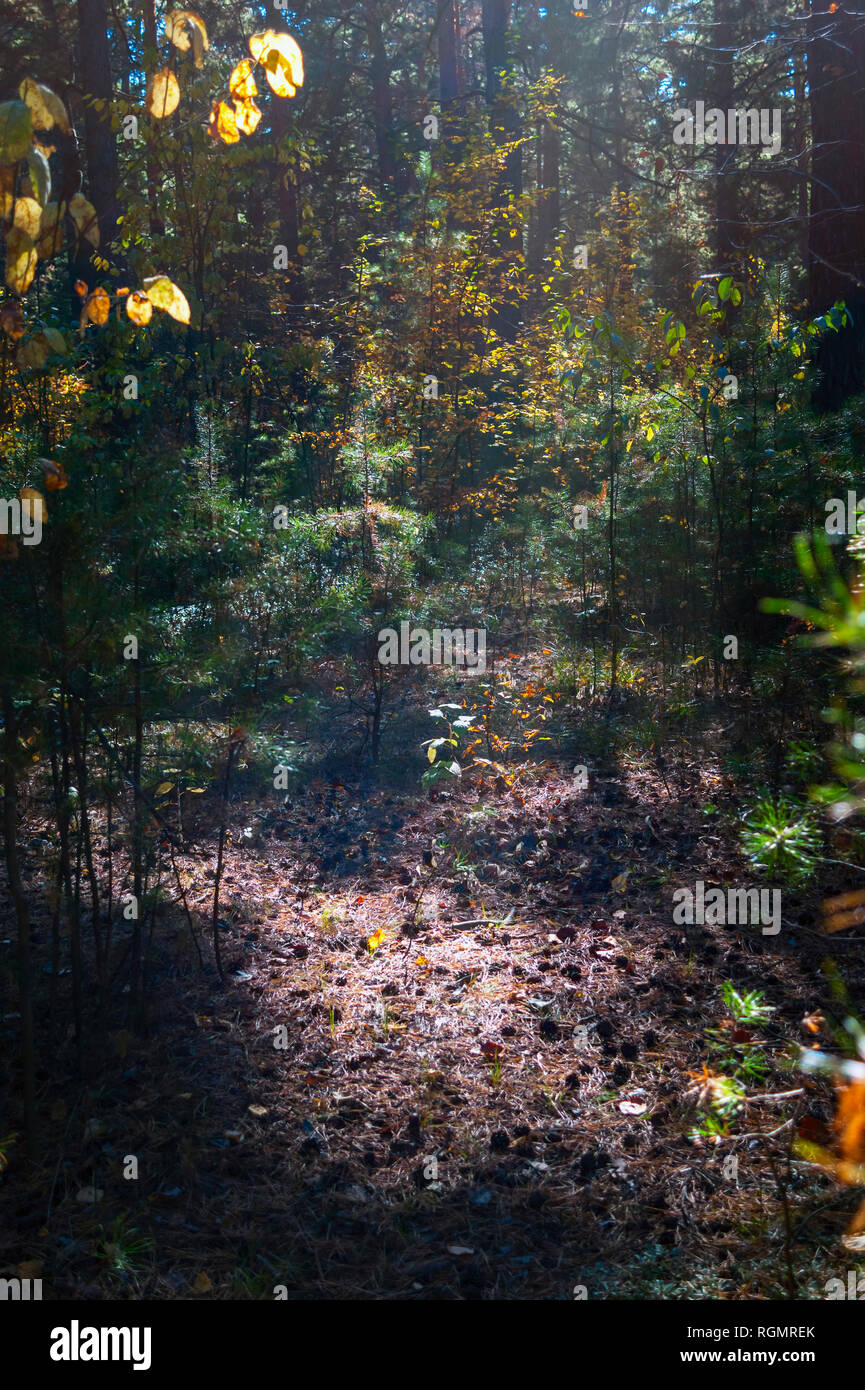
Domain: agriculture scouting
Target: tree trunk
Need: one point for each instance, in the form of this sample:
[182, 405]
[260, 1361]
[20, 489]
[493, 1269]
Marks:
[505, 127]
[94, 65]
[382, 102]
[154, 181]
[836, 228]
[448, 45]
[724, 43]
[22, 917]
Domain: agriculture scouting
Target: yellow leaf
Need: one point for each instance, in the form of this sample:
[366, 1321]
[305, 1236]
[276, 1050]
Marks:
[248, 116]
[223, 123]
[258, 42]
[620, 882]
[202, 1284]
[50, 232]
[282, 60]
[139, 307]
[166, 296]
[27, 217]
[163, 788]
[34, 502]
[98, 306]
[176, 25]
[21, 261]
[242, 84]
[45, 106]
[431, 755]
[163, 94]
[7, 190]
[83, 214]
[376, 939]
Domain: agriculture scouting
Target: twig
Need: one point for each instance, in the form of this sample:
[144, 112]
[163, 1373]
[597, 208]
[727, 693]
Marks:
[778, 1095]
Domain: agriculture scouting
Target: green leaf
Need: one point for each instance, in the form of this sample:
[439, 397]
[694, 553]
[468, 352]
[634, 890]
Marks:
[16, 131]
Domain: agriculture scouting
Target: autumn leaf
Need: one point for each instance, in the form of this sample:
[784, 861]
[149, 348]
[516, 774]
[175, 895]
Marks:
[165, 295]
[223, 123]
[186, 29]
[98, 306]
[139, 307]
[38, 181]
[21, 260]
[163, 94]
[55, 475]
[7, 191]
[202, 1283]
[83, 214]
[375, 940]
[50, 239]
[850, 1122]
[46, 108]
[248, 116]
[242, 84]
[16, 131]
[27, 217]
[33, 352]
[12, 319]
[34, 503]
[281, 59]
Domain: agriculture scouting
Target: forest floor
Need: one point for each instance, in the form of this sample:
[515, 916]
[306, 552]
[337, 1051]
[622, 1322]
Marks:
[496, 1046]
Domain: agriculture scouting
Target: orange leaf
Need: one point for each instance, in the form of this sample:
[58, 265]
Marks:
[248, 116]
[163, 94]
[98, 306]
[139, 308]
[242, 84]
[223, 123]
[55, 475]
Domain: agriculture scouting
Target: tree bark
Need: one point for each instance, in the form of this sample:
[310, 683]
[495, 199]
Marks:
[836, 227]
[22, 917]
[505, 128]
[94, 66]
[382, 101]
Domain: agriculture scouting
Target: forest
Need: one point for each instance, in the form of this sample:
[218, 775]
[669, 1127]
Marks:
[432, 652]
